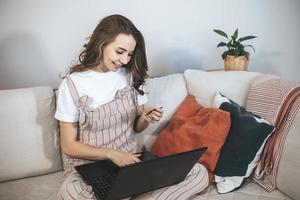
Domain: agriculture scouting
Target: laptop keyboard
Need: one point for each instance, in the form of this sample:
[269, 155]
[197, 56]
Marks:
[101, 185]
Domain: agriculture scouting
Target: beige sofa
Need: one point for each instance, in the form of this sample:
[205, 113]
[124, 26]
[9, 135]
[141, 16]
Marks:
[31, 164]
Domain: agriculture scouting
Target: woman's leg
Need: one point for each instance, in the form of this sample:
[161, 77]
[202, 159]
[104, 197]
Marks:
[73, 187]
[195, 182]
[145, 196]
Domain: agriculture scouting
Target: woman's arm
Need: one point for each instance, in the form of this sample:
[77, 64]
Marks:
[148, 115]
[73, 148]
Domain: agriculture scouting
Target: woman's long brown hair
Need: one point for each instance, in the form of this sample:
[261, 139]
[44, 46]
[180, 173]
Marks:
[105, 33]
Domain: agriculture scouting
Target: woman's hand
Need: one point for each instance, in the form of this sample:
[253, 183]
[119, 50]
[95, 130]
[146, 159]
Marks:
[153, 114]
[122, 158]
[148, 115]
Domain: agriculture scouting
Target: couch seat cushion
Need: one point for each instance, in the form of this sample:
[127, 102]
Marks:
[249, 191]
[40, 187]
[46, 187]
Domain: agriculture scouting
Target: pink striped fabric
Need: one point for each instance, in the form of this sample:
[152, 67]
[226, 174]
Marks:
[277, 101]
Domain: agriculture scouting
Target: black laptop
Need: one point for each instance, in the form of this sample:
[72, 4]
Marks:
[111, 182]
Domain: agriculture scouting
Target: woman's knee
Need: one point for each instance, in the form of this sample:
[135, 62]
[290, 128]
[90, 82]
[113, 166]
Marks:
[201, 172]
[205, 176]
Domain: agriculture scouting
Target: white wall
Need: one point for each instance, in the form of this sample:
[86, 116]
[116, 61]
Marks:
[39, 39]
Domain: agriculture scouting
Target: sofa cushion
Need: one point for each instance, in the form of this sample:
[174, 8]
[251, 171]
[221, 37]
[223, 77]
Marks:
[168, 91]
[29, 142]
[251, 191]
[46, 187]
[233, 84]
[43, 187]
[243, 146]
[191, 127]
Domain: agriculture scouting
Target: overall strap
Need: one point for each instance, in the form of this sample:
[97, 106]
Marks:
[73, 91]
[134, 93]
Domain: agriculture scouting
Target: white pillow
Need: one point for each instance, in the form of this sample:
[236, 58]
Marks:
[29, 134]
[204, 85]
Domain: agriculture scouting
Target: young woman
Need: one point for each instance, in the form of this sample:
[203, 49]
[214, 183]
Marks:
[100, 107]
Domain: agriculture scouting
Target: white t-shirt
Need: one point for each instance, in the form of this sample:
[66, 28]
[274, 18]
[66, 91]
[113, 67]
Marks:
[99, 87]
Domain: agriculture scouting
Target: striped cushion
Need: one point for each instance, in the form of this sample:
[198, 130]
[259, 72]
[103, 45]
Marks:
[277, 101]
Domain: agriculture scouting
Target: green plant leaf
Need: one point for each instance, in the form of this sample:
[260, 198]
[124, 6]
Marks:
[220, 33]
[240, 49]
[247, 38]
[251, 47]
[230, 44]
[235, 34]
[237, 52]
[230, 52]
[222, 44]
[233, 38]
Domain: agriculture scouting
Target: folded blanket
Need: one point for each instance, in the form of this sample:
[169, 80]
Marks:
[277, 101]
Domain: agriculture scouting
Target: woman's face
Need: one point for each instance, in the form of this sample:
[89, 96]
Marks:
[117, 53]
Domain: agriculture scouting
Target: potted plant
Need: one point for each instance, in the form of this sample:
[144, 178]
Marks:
[235, 57]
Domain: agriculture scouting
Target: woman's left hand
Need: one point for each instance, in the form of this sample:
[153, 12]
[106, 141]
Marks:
[153, 114]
